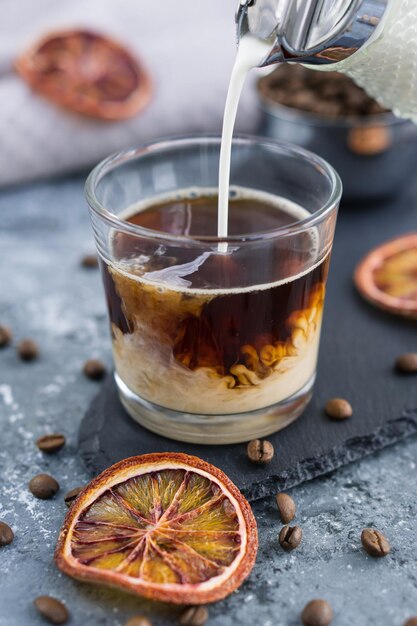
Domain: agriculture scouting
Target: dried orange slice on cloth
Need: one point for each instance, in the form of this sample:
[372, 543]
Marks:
[168, 527]
[387, 277]
[87, 73]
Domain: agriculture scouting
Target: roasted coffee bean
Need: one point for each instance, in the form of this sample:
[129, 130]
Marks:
[327, 94]
[194, 616]
[338, 409]
[6, 534]
[260, 451]
[43, 486]
[51, 443]
[374, 543]
[138, 620]
[290, 537]
[407, 363]
[89, 261]
[27, 350]
[317, 613]
[286, 507]
[94, 369]
[71, 495]
[5, 336]
[52, 609]
[412, 621]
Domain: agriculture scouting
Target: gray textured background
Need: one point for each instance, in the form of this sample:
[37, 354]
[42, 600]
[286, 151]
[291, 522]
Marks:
[46, 295]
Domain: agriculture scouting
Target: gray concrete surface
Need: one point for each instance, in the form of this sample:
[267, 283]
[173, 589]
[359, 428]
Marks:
[45, 295]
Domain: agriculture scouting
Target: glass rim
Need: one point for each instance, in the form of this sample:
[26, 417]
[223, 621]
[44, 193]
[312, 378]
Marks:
[123, 156]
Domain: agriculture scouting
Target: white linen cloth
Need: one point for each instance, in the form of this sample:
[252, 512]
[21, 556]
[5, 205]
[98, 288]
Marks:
[188, 46]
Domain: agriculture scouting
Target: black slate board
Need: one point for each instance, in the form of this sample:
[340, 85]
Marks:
[359, 345]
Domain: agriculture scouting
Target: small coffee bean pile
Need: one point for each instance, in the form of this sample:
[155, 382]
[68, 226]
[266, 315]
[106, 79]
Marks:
[260, 451]
[328, 94]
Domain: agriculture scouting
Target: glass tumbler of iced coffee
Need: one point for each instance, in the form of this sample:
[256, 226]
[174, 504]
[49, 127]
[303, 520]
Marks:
[215, 340]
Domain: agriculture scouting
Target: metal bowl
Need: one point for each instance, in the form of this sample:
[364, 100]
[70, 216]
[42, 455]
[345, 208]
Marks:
[375, 156]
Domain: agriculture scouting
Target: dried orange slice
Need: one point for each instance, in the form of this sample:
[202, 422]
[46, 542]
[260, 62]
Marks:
[168, 527]
[87, 73]
[387, 277]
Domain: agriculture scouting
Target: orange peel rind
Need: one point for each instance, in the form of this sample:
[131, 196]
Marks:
[387, 276]
[167, 526]
[86, 72]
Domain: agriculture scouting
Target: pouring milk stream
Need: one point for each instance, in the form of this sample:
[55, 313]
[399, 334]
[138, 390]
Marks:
[372, 41]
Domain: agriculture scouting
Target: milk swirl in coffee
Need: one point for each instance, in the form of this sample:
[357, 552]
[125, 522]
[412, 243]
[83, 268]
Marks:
[191, 332]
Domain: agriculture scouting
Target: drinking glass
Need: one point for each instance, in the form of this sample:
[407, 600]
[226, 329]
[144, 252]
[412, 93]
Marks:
[214, 340]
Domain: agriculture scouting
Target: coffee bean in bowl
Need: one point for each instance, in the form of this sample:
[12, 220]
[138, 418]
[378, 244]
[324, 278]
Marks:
[327, 113]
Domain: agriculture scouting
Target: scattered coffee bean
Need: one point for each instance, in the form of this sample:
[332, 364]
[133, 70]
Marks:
[290, 537]
[194, 616]
[94, 369]
[260, 451]
[89, 261]
[50, 443]
[138, 620]
[43, 486]
[5, 336]
[71, 495]
[374, 543]
[286, 507]
[27, 350]
[412, 621]
[317, 613]
[52, 609]
[407, 363]
[338, 409]
[6, 534]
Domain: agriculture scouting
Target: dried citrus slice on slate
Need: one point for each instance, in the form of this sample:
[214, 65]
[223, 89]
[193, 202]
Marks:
[87, 73]
[387, 277]
[168, 527]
